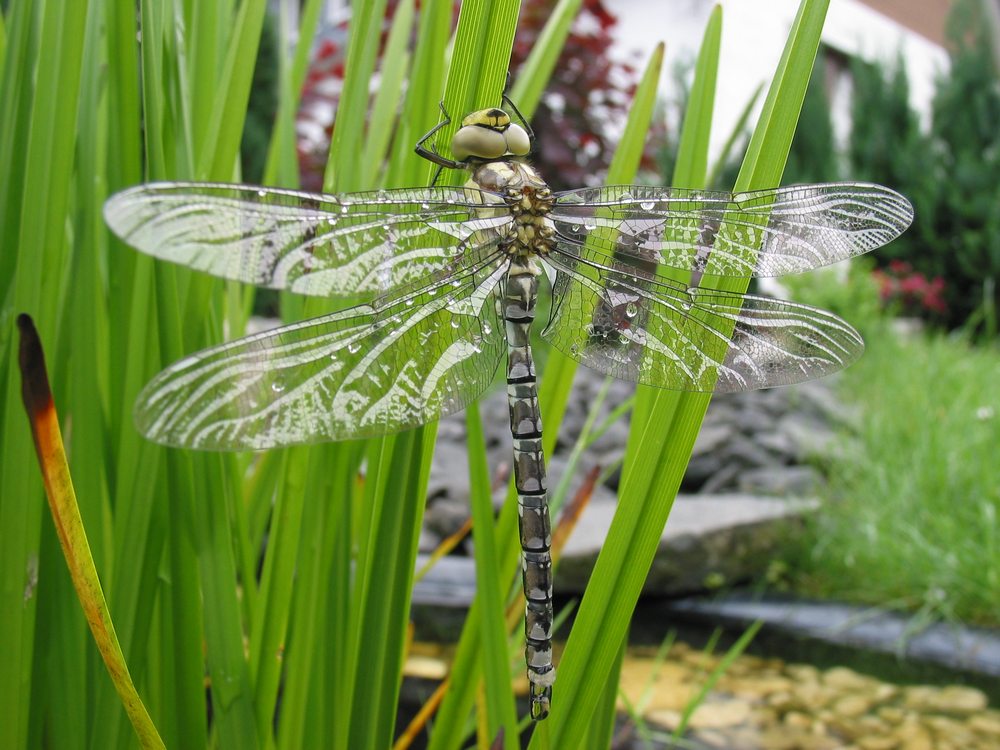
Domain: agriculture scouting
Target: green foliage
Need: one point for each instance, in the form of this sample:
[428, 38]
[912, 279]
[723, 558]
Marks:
[813, 156]
[949, 173]
[855, 298]
[262, 107]
[240, 578]
[915, 493]
[963, 242]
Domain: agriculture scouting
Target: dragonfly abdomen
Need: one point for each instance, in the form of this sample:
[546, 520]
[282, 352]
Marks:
[520, 293]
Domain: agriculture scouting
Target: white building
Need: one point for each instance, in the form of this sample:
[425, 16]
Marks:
[754, 33]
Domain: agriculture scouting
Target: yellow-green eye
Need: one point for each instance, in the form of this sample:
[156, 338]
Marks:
[517, 139]
[478, 141]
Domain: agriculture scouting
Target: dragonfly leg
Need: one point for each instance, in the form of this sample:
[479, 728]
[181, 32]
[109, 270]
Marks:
[524, 122]
[431, 154]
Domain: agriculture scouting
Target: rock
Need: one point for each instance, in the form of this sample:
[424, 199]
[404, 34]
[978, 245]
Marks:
[449, 477]
[946, 729]
[712, 438]
[722, 536]
[781, 481]
[446, 515]
[852, 706]
[885, 742]
[953, 699]
[913, 736]
[987, 723]
[720, 715]
[810, 435]
[962, 648]
[846, 679]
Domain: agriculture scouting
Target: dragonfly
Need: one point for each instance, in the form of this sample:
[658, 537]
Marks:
[448, 279]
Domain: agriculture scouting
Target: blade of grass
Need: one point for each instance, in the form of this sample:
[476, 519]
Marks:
[602, 723]
[587, 660]
[344, 170]
[653, 475]
[276, 586]
[41, 174]
[734, 135]
[500, 715]
[479, 64]
[282, 161]
[395, 61]
[423, 92]
[720, 669]
[537, 69]
[47, 437]
[478, 22]
[220, 143]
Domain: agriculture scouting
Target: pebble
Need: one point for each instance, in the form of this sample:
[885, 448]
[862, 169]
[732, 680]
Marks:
[765, 704]
[954, 699]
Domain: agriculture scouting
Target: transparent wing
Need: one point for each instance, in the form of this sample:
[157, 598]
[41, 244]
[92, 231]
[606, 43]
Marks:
[370, 370]
[359, 244]
[667, 335]
[762, 233]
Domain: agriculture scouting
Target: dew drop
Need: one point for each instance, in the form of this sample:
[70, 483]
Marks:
[425, 206]
[623, 338]
[574, 348]
[631, 309]
[353, 347]
[647, 205]
[277, 387]
[261, 193]
[487, 330]
[455, 323]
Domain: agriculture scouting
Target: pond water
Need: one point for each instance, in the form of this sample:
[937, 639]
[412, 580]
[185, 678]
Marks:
[764, 703]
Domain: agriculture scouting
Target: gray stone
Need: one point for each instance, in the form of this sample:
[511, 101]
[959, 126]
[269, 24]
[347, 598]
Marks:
[781, 481]
[810, 435]
[708, 540]
[446, 515]
[726, 478]
[712, 437]
[948, 644]
[746, 452]
[449, 475]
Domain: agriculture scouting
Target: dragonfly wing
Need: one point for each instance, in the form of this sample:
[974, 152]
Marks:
[761, 233]
[659, 333]
[369, 370]
[364, 244]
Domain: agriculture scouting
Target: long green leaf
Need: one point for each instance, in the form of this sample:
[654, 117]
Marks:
[43, 124]
[537, 69]
[488, 25]
[589, 656]
[653, 474]
[491, 590]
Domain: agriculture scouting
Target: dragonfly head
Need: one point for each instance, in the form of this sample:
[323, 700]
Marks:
[489, 134]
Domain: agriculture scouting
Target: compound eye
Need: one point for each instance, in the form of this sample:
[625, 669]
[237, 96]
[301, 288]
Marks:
[480, 142]
[518, 142]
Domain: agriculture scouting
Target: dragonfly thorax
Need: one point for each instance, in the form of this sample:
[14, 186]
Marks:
[529, 201]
